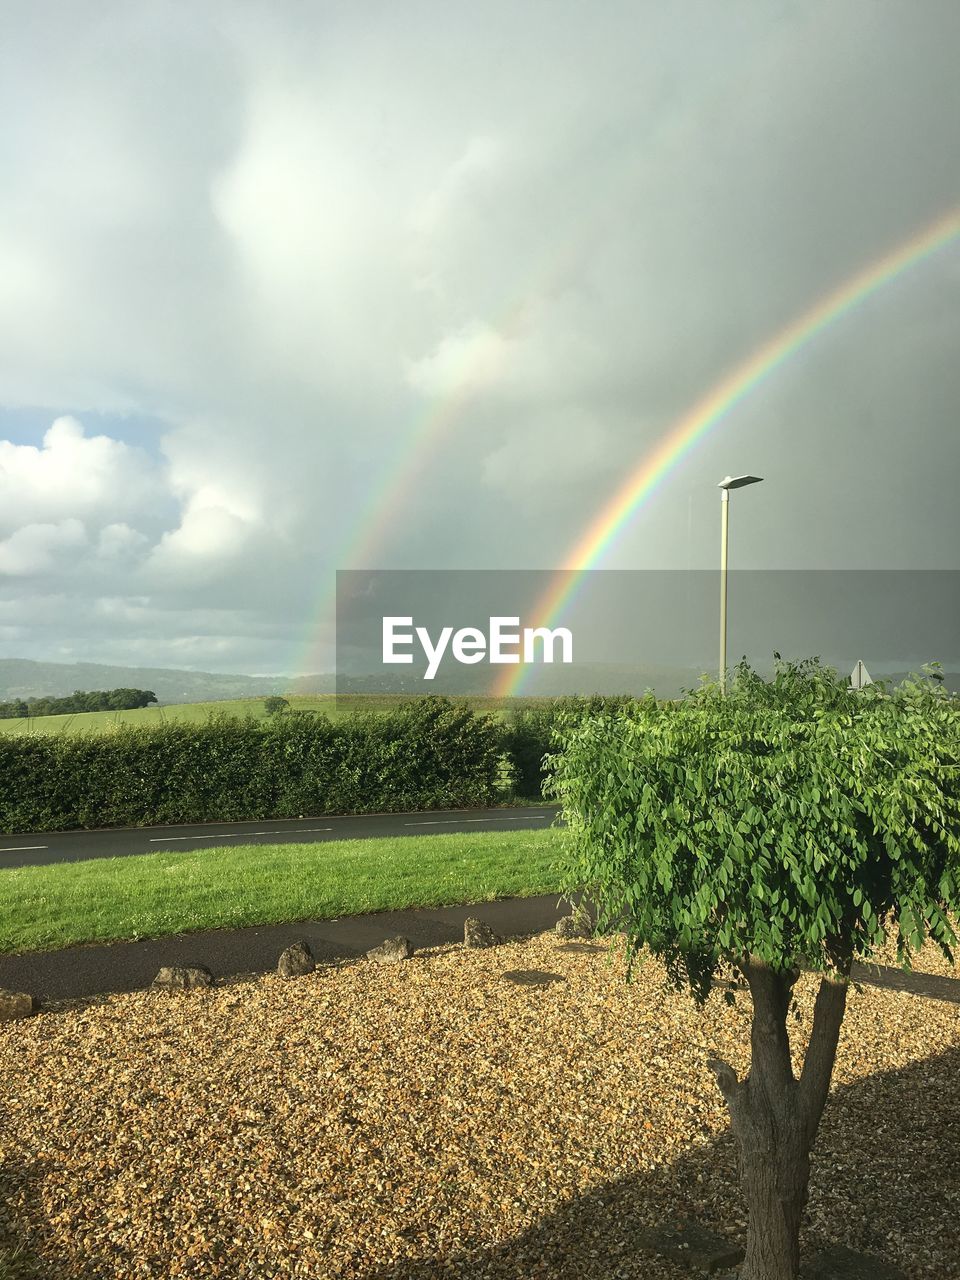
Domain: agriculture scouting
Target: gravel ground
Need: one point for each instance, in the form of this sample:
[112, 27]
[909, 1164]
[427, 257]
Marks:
[433, 1119]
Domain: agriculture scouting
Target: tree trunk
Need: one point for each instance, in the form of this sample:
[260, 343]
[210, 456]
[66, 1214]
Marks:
[775, 1117]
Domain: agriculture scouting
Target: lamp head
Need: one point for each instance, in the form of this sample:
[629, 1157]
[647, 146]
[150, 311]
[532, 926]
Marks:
[737, 482]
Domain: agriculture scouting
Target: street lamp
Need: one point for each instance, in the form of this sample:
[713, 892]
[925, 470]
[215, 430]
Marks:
[731, 482]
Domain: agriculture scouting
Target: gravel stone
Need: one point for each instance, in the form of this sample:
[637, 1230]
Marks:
[575, 925]
[296, 961]
[392, 951]
[182, 978]
[840, 1263]
[693, 1245]
[478, 934]
[431, 1121]
[15, 1004]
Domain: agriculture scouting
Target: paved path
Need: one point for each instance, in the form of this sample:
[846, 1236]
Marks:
[77, 846]
[80, 972]
[90, 970]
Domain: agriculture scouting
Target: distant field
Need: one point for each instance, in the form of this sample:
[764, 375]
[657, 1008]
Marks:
[321, 704]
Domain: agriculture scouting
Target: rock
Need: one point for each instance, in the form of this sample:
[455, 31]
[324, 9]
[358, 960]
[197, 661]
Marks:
[296, 961]
[478, 934]
[15, 1004]
[392, 950]
[690, 1243]
[575, 925]
[182, 978]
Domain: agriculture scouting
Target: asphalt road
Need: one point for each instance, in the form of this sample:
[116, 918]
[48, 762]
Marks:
[48, 847]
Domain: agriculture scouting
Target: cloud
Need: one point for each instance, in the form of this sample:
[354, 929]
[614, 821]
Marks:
[119, 541]
[290, 233]
[559, 450]
[84, 477]
[34, 549]
[208, 535]
[474, 355]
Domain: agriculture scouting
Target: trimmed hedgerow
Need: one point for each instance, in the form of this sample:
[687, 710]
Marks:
[431, 753]
[529, 733]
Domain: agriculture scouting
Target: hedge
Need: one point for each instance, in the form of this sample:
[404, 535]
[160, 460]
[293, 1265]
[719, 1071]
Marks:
[530, 728]
[429, 754]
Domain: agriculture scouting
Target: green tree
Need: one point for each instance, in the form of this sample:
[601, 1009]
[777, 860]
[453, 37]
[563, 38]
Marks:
[792, 825]
[274, 706]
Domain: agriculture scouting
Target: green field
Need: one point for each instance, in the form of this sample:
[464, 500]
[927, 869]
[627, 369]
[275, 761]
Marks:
[157, 894]
[320, 704]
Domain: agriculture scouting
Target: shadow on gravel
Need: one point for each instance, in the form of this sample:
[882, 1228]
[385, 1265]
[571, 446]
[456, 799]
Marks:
[894, 1137]
[18, 1258]
[896, 1134]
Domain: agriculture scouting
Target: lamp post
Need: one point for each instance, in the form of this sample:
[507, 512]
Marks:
[731, 482]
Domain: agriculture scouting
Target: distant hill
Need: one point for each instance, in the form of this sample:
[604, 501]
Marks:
[22, 678]
[583, 678]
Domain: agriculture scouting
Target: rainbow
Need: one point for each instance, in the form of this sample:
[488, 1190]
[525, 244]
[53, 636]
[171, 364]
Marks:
[370, 531]
[610, 522]
[384, 503]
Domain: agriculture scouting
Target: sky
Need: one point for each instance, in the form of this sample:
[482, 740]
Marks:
[287, 288]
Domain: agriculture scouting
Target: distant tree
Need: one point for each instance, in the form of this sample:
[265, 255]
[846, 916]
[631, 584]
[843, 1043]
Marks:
[791, 825]
[79, 701]
[274, 706]
[127, 699]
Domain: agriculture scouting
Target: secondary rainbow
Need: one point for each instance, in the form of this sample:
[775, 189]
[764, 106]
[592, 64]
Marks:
[397, 480]
[369, 533]
[609, 523]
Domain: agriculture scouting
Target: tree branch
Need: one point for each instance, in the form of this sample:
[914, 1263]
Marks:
[727, 1081]
[771, 990]
[735, 1095]
[822, 1050]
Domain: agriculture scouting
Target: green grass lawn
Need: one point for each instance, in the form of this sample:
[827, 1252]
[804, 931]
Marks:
[156, 894]
[335, 708]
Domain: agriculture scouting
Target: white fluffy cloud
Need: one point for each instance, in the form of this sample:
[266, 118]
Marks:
[208, 536]
[75, 475]
[35, 549]
[99, 494]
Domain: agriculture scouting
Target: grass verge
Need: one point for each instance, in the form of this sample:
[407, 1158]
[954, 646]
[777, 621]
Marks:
[156, 894]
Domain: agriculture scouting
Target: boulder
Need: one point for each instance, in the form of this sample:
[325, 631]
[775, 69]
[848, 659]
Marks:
[15, 1004]
[476, 933]
[296, 961]
[392, 950]
[182, 978]
[575, 925]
